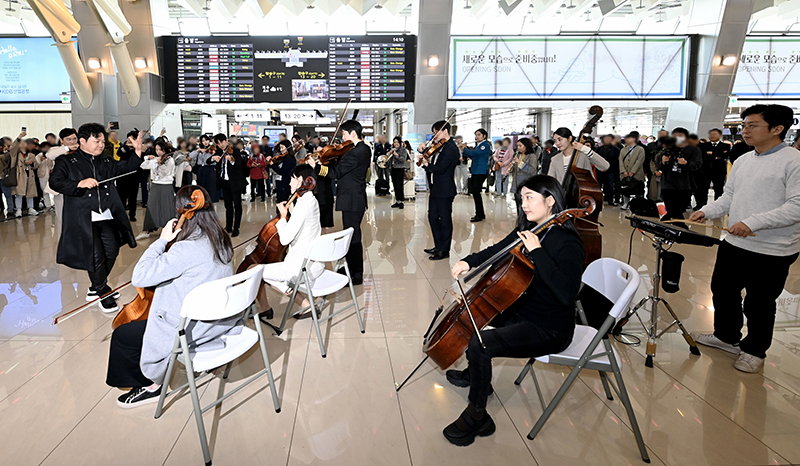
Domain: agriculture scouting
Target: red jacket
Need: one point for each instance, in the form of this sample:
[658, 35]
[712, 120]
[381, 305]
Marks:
[257, 164]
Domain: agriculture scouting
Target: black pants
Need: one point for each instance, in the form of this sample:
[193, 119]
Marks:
[257, 189]
[676, 201]
[476, 185]
[355, 255]
[144, 178]
[512, 337]
[128, 189]
[398, 177]
[762, 277]
[440, 216]
[233, 206]
[718, 180]
[106, 248]
[282, 193]
[607, 180]
[124, 355]
[703, 182]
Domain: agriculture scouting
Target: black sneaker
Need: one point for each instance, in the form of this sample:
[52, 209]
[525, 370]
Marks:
[108, 305]
[461, 379]
[91, 295]
[475, 428]
[138, 397]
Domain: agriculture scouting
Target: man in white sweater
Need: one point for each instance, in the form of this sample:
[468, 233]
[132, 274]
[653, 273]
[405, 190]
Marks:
[761, 197]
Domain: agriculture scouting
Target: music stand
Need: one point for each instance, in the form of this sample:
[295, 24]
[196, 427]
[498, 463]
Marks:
[655, 297]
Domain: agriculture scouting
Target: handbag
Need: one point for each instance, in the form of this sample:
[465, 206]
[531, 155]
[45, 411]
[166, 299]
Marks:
[629, 186]
[10, 174]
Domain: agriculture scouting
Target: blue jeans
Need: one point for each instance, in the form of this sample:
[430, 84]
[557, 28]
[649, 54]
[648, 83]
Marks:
[500, 183]
[9, 198]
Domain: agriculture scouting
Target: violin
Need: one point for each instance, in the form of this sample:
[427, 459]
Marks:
[431, 148]
[579, 183]
[333, 151]
[268, 244]
[281, 155]
[509, 275]
[139, 308]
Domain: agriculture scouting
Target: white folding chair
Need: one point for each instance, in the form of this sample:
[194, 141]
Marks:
[212, 301]
[617, 282]
[332, 247]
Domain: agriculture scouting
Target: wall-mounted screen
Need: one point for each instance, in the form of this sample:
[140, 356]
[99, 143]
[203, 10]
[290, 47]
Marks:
[769, 67]
[568, 67]
[290, 69]
[31, 70]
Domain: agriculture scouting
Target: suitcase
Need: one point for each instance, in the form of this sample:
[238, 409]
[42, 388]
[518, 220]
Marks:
[381, 187]
[409, 190]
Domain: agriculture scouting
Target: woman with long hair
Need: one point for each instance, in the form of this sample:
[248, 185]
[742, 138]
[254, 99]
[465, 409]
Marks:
[567, 144]
[541, 322]
[207, 171]
[160, 207]
[200, 252]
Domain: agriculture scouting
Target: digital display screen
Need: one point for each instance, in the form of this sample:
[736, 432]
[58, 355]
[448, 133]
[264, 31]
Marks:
[485, 67]
[290, 69]
[768, 68]
[31, 70]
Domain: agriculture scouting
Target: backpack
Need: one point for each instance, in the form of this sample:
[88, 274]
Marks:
[10, 174]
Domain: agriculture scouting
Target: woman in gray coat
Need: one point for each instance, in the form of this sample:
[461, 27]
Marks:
[201, 252]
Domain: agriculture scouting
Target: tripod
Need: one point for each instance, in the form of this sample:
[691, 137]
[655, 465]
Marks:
[652, 331]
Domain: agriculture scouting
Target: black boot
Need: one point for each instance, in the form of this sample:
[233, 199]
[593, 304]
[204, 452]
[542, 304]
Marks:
[472, 423]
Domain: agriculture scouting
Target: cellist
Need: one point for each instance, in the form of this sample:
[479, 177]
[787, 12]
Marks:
[540, 322]
[201, 252]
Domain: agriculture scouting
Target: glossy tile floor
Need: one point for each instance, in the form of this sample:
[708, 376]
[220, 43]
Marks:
[55, 408]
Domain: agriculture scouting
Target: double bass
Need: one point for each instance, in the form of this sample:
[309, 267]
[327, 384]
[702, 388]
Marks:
[509, 274]
[268, 243]
[580, 183]
[139, 308]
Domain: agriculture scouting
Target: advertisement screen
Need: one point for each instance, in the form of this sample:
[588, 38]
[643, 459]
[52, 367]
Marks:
[290, 69]
[31, 70]
[769, 67]
[513, 67]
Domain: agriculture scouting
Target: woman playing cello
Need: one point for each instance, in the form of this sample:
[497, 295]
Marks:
[541, 322]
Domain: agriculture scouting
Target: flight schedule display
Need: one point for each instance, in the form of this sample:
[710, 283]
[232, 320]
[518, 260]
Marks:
[290, 69]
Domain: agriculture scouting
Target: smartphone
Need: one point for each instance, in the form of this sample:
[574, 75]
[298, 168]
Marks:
[24, 129]
[114, 125]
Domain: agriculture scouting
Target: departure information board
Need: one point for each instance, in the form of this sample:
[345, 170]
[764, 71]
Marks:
[290, 69]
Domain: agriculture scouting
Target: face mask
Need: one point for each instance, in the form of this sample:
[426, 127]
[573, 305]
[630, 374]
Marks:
[679, 140]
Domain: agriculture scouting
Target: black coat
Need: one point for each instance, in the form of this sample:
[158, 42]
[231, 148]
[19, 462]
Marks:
[681, 179]
[443, 182]
[351, 179]
[75, 248]
[715, 159]
[284, 170]
[237, 172]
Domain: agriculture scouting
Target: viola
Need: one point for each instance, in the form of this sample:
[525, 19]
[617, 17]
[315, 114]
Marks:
[579, 183]
[139, 308]
[509, 274]
[268, 244]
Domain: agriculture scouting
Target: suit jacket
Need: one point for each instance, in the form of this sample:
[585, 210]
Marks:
[443, 183]
[237, 171]
[715, 159]
[351, 176]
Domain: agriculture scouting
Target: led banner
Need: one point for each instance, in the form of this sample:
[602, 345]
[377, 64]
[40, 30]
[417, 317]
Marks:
[769, 67]
[31, 70]
[538, 67]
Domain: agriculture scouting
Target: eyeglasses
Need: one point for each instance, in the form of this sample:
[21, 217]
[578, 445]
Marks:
[751, 126]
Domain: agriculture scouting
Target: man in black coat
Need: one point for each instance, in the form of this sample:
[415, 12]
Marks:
[351, 193]
[95, 223]
[232, 173]
[715, 161]
[442, 190]
[609, 178]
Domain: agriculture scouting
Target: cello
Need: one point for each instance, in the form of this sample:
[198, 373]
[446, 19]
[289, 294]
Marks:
[139, 308]
[508, 274]
[580, 183]
[268, 244]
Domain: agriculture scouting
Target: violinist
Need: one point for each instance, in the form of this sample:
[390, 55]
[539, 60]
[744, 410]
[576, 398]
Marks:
[140, 350]
[351, 199]
[299, 233]
[232, 174]
[161, 204]
[541, 322]
[586, 158]
[282, 163]
[299, 147]
[207, 171]
[442, 189]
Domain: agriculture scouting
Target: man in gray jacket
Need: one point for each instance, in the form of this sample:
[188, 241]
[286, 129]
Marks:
[762, 195]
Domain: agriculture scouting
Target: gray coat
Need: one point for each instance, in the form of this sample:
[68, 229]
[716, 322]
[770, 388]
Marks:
[188, 264]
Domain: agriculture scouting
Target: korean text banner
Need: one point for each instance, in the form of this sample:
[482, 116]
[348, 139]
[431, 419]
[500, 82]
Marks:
[538, 67]
[769, 67]
[31, 70]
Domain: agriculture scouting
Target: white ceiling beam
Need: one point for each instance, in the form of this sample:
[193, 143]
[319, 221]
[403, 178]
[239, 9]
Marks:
[580, 7]
[195, 6]
[545, 8]
[362, 6]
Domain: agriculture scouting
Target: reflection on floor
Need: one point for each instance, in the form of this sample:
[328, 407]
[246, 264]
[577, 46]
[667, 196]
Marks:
[343, 410]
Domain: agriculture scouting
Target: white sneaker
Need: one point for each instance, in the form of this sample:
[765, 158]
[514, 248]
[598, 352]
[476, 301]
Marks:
[143, 235]
[748, 363]
[18, 213]
[708, 339]
[33, 212]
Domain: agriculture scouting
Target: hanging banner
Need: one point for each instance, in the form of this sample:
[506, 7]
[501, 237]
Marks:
[513, 67]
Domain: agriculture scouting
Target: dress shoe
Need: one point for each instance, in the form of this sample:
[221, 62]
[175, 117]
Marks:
[228, 230]
[477, 219]
[235, 233]
[396, 204]
[268, 314]
[400, 206]
[439, 255]
[432, 250]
